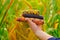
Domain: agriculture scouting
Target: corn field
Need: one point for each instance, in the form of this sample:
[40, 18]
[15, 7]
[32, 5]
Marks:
[10, 29]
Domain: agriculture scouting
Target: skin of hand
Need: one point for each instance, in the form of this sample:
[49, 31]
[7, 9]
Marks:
[39, 33]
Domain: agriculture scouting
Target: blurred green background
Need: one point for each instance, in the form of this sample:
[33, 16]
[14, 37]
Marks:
[12, 9]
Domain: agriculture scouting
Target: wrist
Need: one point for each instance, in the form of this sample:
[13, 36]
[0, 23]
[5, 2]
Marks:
[42, 35]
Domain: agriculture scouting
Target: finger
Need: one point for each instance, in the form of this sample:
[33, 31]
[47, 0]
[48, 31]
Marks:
[38, 22]
[27, 19]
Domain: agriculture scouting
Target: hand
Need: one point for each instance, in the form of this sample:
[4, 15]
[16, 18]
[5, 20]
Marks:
[38, 32]
[38, 22]
[33, 25]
